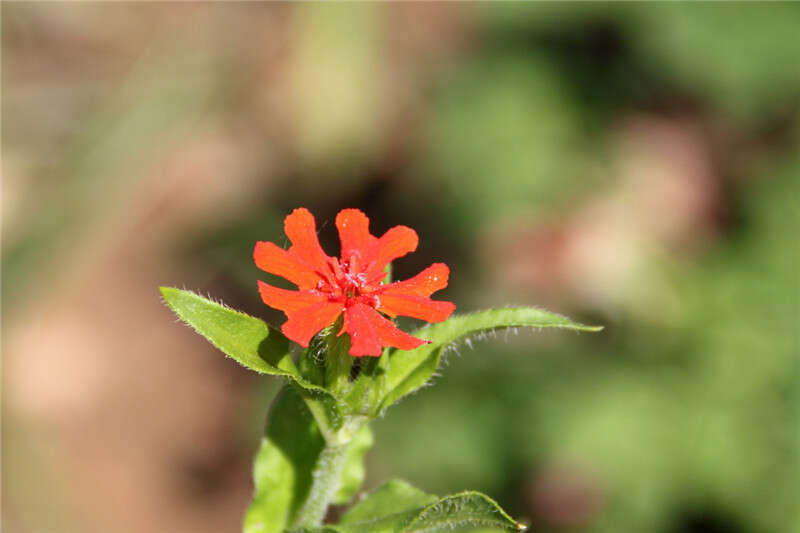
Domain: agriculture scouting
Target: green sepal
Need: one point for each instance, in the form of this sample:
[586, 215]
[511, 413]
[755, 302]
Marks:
[408, 370]
[328, 363]
[366, 392]
[254, 344]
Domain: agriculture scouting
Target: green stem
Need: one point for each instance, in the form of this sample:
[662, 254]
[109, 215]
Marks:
[321, 415]
[327, 478]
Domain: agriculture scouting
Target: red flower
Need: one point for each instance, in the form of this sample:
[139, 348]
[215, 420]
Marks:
[352, 285]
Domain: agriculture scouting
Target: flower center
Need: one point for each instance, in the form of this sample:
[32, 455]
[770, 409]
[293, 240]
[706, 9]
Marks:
[347, 285]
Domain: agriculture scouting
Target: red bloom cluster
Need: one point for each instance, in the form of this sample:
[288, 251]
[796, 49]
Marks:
[352, 285]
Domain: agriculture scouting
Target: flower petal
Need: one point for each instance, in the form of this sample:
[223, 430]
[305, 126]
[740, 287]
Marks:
[353, 226]
[301, 229]
[288, 301]
[411, 297]
[425, 283]
[416, 307]
[396, 242]
[271, 258]
[305, 323]
[370, 332]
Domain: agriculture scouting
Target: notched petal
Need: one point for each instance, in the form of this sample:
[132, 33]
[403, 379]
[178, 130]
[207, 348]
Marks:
[307, 322]
[286, 300]
[353, 226]
[271, 258]
[416, 307]
[395, 243]
[370, 332]
[301, 229]
[424, 284]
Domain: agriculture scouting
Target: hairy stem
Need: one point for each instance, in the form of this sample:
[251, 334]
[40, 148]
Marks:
[327, 477]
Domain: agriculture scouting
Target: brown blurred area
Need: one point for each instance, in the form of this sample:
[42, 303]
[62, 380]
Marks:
[611, 162]
[128, 128]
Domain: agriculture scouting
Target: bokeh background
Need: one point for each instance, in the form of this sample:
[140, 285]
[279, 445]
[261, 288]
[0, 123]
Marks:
[633, 165]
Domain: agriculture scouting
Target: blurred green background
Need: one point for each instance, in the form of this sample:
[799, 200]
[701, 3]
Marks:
[634, 165]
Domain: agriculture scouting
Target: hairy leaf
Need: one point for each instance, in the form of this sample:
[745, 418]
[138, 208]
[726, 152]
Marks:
[252, 343]
[409, 370]
[387, 509]
[466, 509]
[397, 507]
[246, 339]
[283, 469]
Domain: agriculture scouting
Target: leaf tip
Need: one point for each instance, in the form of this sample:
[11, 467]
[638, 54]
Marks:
[166, 292]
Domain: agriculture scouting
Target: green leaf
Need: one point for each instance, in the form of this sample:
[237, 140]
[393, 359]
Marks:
[254, 344]
[283, 469]
[246, 339]
[387, 509]
[409, 370]
[397, 507]
[466, 509]
[354, 471]
[297, 472]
